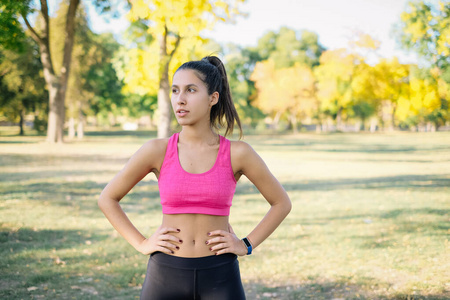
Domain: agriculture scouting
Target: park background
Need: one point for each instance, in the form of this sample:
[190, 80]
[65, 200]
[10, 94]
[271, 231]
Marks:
[355, 131]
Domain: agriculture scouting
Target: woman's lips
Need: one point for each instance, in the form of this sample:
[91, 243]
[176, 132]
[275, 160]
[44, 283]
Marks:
[182, 112]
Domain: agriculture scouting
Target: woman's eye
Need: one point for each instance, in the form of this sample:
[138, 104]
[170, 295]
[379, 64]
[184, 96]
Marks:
[191, 90]
[174, 91]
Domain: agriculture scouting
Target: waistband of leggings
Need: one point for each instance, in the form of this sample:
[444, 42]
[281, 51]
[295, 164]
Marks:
[206, 262]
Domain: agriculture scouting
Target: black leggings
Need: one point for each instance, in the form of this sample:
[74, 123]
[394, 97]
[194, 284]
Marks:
[178, 278]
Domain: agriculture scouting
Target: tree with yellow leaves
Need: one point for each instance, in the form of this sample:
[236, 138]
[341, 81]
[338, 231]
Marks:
[334, 78]
[364, 103]
[422, 100]
[286, 91]
[425, 29]
[175, 25]
[391, 83]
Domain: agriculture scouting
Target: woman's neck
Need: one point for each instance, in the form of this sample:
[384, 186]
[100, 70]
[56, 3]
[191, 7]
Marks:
[206, 136]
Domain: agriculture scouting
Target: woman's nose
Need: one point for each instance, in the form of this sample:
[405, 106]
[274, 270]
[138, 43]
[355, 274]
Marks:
[181, 99]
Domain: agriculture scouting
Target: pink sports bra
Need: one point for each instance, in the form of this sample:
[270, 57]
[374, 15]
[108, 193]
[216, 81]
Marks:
[209, 193]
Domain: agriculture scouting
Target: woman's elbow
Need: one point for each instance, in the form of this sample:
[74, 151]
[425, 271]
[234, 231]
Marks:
[284, 206]
[103, 201]
[287, 206]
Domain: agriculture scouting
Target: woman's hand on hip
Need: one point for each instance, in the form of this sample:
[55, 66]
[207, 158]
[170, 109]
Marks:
[226, 242]
[162, 240]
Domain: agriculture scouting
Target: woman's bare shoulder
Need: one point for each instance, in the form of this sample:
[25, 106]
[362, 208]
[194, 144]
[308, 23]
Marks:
[153, 151]
[151, 154]
[156, 146]
[240, 149]
[242, 156]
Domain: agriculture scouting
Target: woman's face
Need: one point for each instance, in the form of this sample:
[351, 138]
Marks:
[190, 100]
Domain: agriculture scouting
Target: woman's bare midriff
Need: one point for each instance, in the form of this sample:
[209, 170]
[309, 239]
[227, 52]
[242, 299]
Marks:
[194, 230]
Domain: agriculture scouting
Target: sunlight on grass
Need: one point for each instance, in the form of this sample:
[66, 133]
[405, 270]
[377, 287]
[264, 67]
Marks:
[369, 220]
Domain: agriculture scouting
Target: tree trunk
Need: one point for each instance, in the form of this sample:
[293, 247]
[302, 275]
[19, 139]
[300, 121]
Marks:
[294, 123]
[164, 105]
[436, 126]
[357, 126]
[276, 120]
[56, 85]
[54, 128]
[80, 127]
[394, 108]
[165, 109]
[339, 125]
[71, 133]
[111, 119]
[21, 121]
[373, 125]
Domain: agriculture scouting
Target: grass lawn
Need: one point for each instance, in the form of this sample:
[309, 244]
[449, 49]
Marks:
[370, 218]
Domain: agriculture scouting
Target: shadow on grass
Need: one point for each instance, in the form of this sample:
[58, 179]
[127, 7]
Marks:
[83, 194]
[386, 182]
[343, 144]
[395, 213]
[56, 192]
[383, 149]
[323, 290]
[19, 142]
[13, 242]
[61, 264]
[42, 175]
[58, 160]
[122, 133]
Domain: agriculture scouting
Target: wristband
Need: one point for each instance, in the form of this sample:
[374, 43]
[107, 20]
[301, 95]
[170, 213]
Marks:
[248, 244]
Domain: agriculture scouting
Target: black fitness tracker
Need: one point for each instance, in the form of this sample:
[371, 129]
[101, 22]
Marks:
[248, 244]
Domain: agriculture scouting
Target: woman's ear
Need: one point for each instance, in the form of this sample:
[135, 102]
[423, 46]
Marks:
[214, 98]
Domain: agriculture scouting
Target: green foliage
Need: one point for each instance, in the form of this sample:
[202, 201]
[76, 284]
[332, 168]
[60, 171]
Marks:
[425, 29]
[287, 47]
[12, 35]
[137, 34]
[362, 110]
[93, 87]
[100, 77]
[239, 63]
[22, 86]
[439, 115]
[110, 79]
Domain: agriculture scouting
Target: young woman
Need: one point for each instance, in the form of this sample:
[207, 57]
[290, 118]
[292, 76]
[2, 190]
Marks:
[193, 254]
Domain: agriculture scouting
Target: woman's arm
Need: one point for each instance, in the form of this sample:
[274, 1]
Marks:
[148, 158]
[250, 164]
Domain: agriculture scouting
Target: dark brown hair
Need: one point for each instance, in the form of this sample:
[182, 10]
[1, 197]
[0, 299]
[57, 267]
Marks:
[212, 72]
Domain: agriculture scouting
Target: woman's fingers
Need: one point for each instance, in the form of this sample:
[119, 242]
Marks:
[218, 233]
[216, 240]
[165, 250]
[165, 230]
[225, 242]
[162, 240]
[169, 237]
[169, 246]
[219, 247]
[168, 241]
